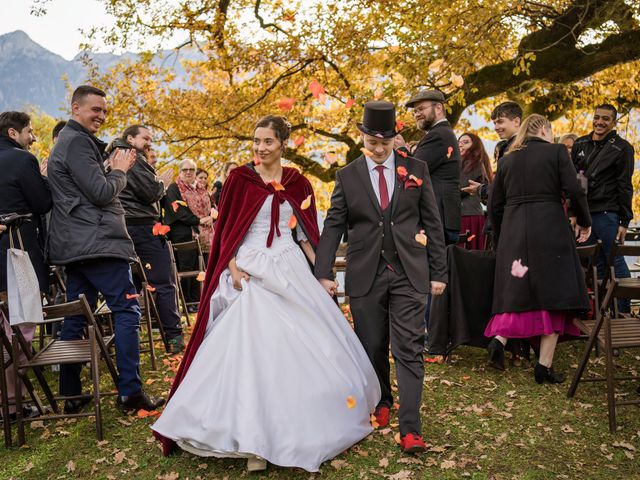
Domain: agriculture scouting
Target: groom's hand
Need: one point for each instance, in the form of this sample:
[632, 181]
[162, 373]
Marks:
[437, 288]
[329, 285]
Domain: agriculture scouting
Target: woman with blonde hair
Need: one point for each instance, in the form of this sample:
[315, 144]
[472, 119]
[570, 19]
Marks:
[539, 283]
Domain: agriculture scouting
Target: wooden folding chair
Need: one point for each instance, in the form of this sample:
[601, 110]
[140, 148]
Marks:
[87, 350]
[175, 249]
[588, 255]
[340, 266]
[463, 239]
[611, 332]
[57, 294]
[6, 361]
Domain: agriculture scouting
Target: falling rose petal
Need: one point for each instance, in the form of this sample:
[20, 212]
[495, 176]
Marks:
[293, 221]
[306, 203]
[457, 80]
[256, 160]
[402, 171]
[399, 125]
[350, 103]
[299, 141]
[449, 151]
[148, 266]
[517, 269]
[214, 213]
[160, 229]
[402, 153]
[436, 65]
[367, 152]
[416, 179]
[471, 237]
[316, 89]
[421, 238]
[277, 186]
[200, 277]
[330, 158]
[351, 402]
[286, 104]
[131, 296]
[150, 288]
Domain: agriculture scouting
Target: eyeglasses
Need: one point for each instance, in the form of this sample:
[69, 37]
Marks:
[422, 108]
[188, 170]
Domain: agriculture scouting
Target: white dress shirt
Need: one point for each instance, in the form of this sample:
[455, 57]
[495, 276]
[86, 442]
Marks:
[389, 175]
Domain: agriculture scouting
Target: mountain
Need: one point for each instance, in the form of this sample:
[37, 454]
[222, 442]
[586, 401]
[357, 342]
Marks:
[32, 76]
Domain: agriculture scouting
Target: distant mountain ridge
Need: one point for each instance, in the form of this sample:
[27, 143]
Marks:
[32, 76]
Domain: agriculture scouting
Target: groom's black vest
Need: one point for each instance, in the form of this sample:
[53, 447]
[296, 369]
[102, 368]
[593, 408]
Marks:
[389, 252]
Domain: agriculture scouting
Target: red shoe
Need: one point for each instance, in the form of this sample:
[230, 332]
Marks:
[382, 416]
[413, 443]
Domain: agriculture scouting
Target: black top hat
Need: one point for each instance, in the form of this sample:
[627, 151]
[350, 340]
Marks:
[379, 119]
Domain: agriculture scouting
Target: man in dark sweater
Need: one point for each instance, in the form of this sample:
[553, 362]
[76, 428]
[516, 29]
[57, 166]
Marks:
[607, 161]
[140, 199]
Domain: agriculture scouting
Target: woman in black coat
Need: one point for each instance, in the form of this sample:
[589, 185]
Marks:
[539, 283]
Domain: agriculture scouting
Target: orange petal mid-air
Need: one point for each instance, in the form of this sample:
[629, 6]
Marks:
[367, 152]
[350, 103]
[150, 288]
[351, 402]
[316, 89]
[293, 221]
[148, 266]
[160, 229]
[286, 104]
[256, 160]
[421, 238]
[416, 179]
[399, 125]
[299, 141]
[330, 158]
[449, 151]
[200, 277]
[306, 203]
[176, 204]
[131, 296]
[277, 186]
[402, 171]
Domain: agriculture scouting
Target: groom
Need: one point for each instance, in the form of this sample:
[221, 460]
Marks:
[385, 201]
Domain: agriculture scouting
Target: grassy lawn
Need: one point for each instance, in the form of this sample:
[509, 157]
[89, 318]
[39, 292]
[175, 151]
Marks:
[479, 424]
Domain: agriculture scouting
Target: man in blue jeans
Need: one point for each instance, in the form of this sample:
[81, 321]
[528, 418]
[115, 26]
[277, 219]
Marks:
[88, 236]
[607, 161]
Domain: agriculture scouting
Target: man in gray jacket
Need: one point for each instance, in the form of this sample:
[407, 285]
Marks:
[88, 235]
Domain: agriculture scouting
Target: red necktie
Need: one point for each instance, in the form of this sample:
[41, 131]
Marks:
[382, 185]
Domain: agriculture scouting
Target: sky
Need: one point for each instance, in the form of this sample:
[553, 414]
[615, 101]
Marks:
[59, 29]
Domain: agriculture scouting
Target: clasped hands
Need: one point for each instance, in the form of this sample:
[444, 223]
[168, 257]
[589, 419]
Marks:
[331, 286]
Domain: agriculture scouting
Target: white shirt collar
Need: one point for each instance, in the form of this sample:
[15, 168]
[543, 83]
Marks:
[439, 121]
[388, 163]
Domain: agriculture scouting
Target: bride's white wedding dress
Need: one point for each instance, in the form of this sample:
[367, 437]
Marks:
[280, 373]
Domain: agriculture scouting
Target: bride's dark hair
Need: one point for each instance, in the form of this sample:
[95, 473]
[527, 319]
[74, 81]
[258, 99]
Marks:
[278, 124]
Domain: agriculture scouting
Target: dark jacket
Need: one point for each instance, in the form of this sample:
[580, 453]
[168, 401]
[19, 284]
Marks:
[608, 166]
[501, 148]
[355, 208]
[529, 222]
[183, 221]
[439, 148]
[140, 198]
[23, 190]
[87, 220]
[471, 204]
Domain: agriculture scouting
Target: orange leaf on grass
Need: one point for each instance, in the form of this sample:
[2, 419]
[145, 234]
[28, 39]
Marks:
[286, 104]
[200, 277]
[306, 203]
[316, 89]
[293, 221]
[160, 229]
[351, 402]
[350, 103]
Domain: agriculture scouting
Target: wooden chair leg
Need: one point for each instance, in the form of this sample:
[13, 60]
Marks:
[18, 391]
[184, 303]
[584, 359]
[152, 348]
[611, 395]
[156, 315]
[95, 373]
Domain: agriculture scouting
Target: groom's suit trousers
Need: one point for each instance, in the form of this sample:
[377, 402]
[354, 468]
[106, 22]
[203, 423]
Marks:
[393, 312]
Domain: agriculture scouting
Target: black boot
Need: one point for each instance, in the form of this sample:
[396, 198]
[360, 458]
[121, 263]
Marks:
[543, 374]
[75, 405]
[496, 354]
[139, 401]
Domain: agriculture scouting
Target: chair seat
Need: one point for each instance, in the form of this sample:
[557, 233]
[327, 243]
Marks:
[625, 332]
[66, 351]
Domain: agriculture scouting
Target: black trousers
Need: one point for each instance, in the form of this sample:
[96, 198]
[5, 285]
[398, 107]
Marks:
[392, 313]
[154, 252]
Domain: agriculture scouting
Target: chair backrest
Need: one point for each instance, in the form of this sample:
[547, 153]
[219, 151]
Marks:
[632, 235]
[186, 246]
[589, 251]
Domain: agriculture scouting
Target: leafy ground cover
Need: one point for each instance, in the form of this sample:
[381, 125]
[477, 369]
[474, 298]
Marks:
[479, 424]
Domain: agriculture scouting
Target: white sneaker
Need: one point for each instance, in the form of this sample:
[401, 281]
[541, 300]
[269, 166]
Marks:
[256, 464]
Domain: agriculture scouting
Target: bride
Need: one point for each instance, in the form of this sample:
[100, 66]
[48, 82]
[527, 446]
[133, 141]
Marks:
[273, 371]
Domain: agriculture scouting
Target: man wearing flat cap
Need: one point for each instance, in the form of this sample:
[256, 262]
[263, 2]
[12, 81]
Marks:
[395, 256]
[439, 149]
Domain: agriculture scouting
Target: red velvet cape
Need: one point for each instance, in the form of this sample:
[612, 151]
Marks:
[242, 196]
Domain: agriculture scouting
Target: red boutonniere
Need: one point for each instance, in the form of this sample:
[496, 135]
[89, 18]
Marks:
[409, 181]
